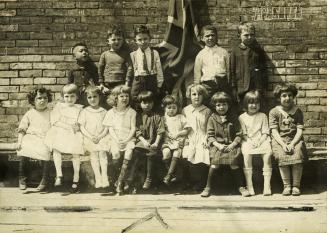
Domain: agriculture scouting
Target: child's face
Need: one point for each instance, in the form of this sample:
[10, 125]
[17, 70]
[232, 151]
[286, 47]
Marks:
[287, 100]
[93, 99]
[196, 98]
[222, 108]
[146, 106]
[70, 98]
[247, 37]
[209, 38]
[171, 110]
[41, 101]
[122, 99]
[81, 53]
[115, 42]
[142, 40]
[253, 108]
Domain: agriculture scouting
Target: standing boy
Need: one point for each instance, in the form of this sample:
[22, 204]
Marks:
[211, 63]
[248, 65]
[148, 75]
[84, 72]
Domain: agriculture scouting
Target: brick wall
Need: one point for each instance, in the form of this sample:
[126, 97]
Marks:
[36, 37]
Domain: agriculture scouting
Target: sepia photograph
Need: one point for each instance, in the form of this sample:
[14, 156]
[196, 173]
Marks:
[163, 116]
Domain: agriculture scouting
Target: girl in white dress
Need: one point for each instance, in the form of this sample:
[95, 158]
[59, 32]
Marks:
[121, 122]
[64, 135]
[176, 131]
[256, 140]
[31, 133]
[95, 135]
[197, 115]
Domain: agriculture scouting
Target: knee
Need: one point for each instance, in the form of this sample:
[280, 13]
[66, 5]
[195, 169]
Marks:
[166, 154]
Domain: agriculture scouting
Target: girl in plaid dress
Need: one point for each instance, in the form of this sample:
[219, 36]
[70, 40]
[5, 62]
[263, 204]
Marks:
[286, 124]
[224, 138]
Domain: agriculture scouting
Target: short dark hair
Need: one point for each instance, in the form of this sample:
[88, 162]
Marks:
[220, 97]
[169, 99]
[79, 44]
[142, 29]
[146, 96]
[209, 28]
[285, 87]
[251, 97]
[115, 30]
[41, 90]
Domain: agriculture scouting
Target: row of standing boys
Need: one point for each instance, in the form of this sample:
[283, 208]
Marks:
[210, 131]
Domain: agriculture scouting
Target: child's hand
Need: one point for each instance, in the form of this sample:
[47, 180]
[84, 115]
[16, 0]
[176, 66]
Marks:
[285, 148]
[95, 140]
[146, 144]
[75, 127]
[171, 136]
[221, 147]
[154, 146]
[121, 144]
[290, 148]
[229, 148]
[18, 146]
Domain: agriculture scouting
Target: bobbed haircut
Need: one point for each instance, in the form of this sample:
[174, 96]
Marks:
[198, 88]
[209, 28]
[142, 29]
[245, 27]
[169, 99]
[146, 96]
[69, 89]
[121, 89]
[38, 90]
[220, 97]
[285, 87]
[251, 97]
[93, 89]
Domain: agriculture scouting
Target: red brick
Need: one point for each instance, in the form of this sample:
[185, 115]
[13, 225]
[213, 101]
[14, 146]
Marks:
[21, 81]
[45, 81]
[63, 5]
[4, 66]
[8, 89]
[323, 101]
[87, 4]
[306, 70]
[284, 71]
[275, 48]
[18, 35]
[312, 131]
[317, 49]
[30, 73]
[30, 12]
[41, 19]
[9, 28]
[8, 74]
[323, 70]
[316, 93]
[287, 55]
[20, 66]
[48, 66]
[307, 86]
[42, 35]
[8, 58]
[53, 73]
[307, 55]
[29, 58]
[17, 96]
[321, 63]
[296, 63]
[7, 13]
[4, 81]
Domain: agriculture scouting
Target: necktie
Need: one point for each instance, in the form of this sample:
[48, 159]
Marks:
[145, 64]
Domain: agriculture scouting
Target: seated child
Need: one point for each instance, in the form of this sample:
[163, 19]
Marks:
[286, 124]
[31, 133]
[120, 121]
[84, 73]
[95, 136]
[149, 132]
[64, 135]
[256, 140]
[224, 138]
[176, 131]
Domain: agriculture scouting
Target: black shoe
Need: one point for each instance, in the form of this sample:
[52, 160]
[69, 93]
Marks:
[75, 188]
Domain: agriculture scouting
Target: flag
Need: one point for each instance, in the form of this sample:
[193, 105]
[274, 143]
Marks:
[180, 46]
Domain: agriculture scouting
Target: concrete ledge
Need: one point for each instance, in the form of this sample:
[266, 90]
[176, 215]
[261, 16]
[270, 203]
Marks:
[9, 149]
